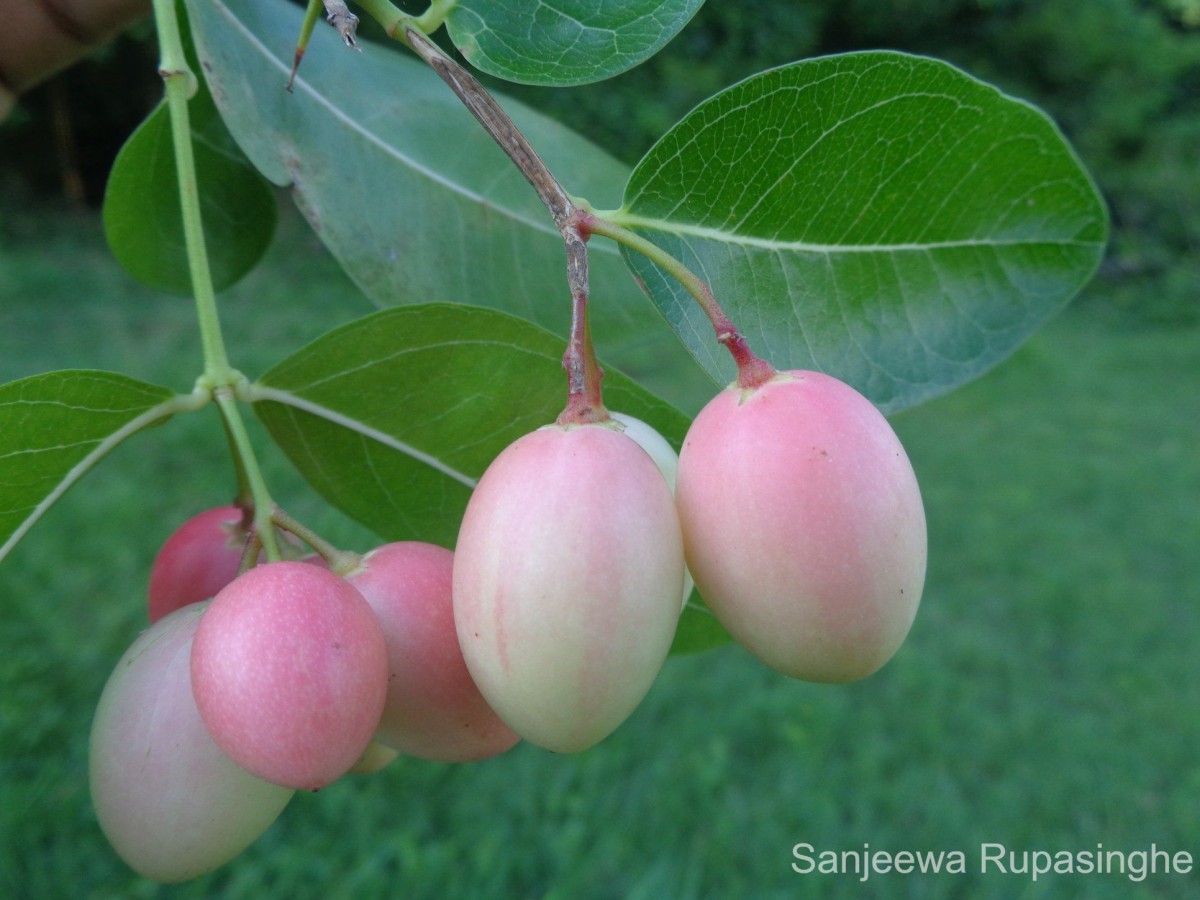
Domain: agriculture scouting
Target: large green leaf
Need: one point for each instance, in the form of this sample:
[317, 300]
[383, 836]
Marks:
[882, 217]
[564, 42]
[394, 417]
[55, 427]
[142, 218]
[410, 194]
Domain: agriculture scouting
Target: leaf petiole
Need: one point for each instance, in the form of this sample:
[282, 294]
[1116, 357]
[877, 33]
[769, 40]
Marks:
[433, 17]
[395, 21]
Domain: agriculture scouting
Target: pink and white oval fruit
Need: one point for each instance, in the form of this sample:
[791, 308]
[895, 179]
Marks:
[567, 577]
[197, 560]
[434, 709]
[803, 525]
[289, 671]
[170, 802]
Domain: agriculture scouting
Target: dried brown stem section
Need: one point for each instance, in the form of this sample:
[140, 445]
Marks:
[338, 14]
[584, 403]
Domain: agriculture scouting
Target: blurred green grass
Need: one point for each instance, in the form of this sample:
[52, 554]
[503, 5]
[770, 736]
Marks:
[1046, 699]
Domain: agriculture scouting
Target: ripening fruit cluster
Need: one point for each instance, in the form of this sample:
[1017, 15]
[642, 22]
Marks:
[287, 679]
[795, 509]
[792, 505]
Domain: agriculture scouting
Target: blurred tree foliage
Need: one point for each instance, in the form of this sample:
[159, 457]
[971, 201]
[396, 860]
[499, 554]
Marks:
[1121, 77]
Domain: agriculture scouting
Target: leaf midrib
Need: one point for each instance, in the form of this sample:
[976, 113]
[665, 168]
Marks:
[684, 229]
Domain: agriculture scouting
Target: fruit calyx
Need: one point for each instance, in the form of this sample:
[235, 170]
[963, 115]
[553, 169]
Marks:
[753, 370]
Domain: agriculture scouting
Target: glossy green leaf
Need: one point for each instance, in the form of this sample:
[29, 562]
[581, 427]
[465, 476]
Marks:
[881, 217]
[142, 217]
[394, 417]
[564, 42]
[698, 629]
[411, 195]
[55, 427]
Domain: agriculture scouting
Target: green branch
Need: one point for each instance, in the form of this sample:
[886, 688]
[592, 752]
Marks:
[219, 378]
[180, 84]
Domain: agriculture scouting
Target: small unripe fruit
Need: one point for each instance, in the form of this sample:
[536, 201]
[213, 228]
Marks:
[664, 457]
[289, 671]
[434, 709]
[567, 578]
[195, 562]
[376, 757]
[170, 802]
[653, 443]
[803, 525]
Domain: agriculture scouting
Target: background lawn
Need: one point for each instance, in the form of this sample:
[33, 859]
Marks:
[1047, 698]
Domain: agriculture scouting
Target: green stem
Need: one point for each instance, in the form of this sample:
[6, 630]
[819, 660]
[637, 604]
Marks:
[264, 506]
[340, 561]
[250, 553]
[394, 20]
[219, 378]
[311, 14]
[431, 20]
[180, 84]
[245, 494]
[753, 371]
